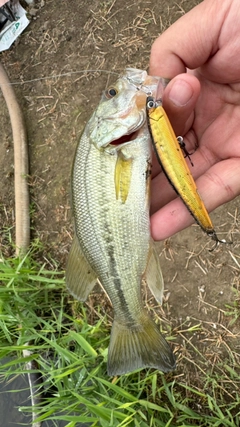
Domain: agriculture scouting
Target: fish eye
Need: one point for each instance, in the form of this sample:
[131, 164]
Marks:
[111, 92]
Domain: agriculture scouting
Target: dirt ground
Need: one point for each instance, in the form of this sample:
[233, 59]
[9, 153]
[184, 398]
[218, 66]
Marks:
[57, 96]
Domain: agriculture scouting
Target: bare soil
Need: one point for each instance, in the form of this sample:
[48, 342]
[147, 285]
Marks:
[57, 97]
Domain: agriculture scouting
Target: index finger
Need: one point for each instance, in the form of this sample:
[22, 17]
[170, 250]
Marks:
[189, 42]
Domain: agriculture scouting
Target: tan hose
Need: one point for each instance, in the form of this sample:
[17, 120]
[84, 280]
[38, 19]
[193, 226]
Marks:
[21, 165]
[21, 170]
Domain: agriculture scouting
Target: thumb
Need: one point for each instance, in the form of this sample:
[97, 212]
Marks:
[179, 101]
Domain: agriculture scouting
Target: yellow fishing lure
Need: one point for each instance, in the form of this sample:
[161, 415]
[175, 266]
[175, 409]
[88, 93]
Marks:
[172, 161]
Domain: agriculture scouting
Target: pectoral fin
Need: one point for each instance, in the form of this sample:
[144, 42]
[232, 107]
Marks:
[153, 274]
[123, 174]
[80, 278]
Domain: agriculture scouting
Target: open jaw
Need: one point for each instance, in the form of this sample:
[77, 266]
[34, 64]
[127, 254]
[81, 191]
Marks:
[125, 138]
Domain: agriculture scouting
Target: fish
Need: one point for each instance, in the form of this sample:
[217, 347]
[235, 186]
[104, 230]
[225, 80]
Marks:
[169, 153]
[110, 203]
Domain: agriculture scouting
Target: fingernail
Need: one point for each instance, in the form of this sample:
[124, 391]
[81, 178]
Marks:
[180, 93]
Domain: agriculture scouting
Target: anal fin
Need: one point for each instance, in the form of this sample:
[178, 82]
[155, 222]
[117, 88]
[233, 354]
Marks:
[153, 274]
[80, 277]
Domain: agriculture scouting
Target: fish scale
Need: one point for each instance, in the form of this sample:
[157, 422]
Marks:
[108, 214]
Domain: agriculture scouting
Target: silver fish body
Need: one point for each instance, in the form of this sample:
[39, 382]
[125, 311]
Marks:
[110, 200]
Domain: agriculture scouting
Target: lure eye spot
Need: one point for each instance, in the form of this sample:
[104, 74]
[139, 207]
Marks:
[111, 92]
[150, 104]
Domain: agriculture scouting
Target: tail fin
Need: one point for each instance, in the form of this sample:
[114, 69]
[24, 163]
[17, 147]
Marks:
[141, 346]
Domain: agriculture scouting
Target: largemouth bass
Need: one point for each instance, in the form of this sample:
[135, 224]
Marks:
[110, 201]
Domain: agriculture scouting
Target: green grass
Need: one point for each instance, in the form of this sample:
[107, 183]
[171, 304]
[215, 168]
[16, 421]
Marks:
[36, 313]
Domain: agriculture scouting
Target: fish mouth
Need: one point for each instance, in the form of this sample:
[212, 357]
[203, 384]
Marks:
[131, 136]
[125, 138]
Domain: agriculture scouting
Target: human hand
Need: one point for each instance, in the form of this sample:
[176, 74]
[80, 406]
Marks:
[203, 106]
